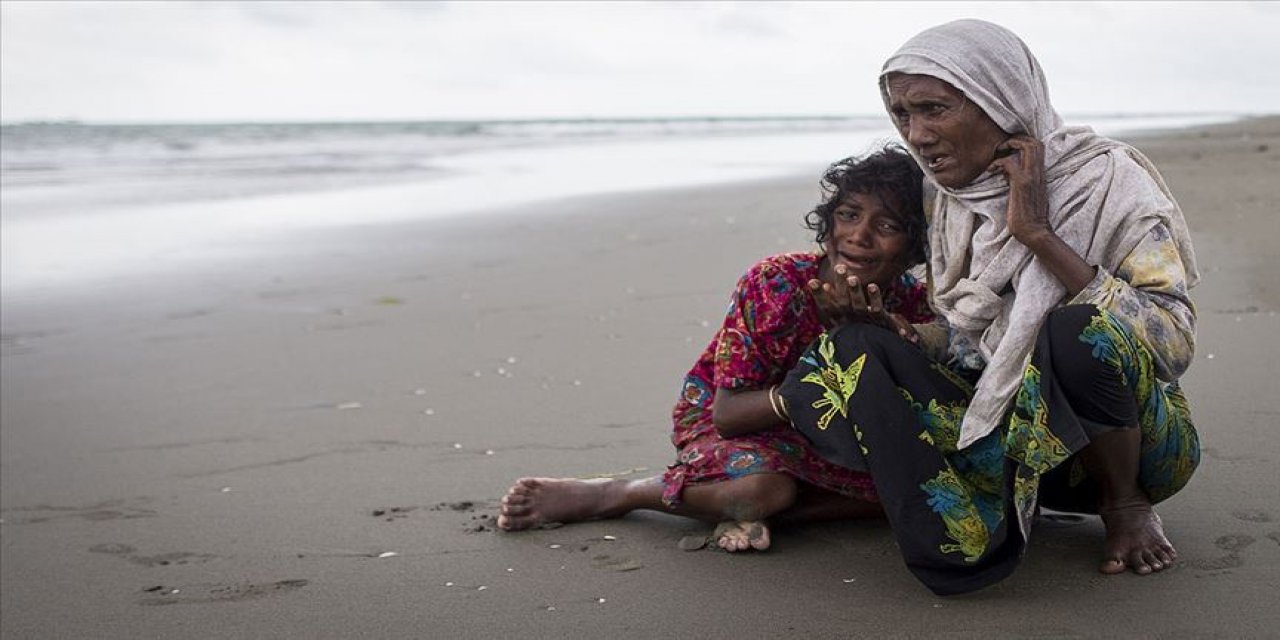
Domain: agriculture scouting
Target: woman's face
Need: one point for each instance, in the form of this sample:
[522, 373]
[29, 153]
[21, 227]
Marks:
[868, 238]
[954, 137]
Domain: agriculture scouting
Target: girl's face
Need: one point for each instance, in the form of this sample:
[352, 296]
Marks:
[869, 239]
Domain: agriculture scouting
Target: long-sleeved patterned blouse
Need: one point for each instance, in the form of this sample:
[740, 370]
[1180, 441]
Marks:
[1148, 292]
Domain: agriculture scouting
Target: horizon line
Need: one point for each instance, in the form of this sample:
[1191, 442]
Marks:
[569, 119]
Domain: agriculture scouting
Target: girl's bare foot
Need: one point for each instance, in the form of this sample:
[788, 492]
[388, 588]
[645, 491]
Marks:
[733, 535]
[1136, 540]
[534, 501]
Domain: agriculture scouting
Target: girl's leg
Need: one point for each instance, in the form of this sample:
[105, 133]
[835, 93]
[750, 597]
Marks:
[746, 501]
[815, 504]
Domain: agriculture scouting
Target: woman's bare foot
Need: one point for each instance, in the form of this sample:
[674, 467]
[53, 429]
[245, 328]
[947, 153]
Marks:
[1136, 540]
[740, 536]
[534, 501]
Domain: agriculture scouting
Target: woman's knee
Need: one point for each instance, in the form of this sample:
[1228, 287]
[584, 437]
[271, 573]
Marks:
[859, 338]
[1072, 358]
[1066, 323]
[1094, 386]
[862, 333]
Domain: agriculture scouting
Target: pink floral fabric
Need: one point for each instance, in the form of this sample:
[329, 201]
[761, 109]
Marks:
[770, 321]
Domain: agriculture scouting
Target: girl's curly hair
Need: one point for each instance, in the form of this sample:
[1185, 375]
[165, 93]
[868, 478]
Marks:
[889, 173]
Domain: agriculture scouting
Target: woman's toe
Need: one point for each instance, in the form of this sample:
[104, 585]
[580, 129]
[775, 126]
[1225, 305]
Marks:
[1112, 566]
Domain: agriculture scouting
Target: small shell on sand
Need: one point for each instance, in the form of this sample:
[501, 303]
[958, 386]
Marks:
[692, 543]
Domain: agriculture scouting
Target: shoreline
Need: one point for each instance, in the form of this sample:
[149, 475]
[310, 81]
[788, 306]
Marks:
[122, 220]
[259, 436]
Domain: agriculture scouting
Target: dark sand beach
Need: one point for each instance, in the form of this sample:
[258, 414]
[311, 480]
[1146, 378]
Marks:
[313, 445]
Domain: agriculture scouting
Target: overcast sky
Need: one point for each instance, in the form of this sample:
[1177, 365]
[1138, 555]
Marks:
[399, 60]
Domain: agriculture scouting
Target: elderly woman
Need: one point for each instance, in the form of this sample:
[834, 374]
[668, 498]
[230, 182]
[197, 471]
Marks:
[1059, 267]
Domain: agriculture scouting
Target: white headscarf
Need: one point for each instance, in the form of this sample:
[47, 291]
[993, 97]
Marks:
[1104, 197]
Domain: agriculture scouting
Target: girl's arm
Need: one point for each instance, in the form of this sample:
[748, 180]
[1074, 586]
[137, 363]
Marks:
[758, 343]
[738, 412]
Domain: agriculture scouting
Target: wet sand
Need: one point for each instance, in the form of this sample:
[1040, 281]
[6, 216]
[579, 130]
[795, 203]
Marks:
[312, 445]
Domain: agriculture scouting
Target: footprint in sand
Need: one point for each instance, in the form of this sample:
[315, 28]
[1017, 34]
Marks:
[478, 523]
[1218, 564]
[391, 514]
[109, 510]
[615, 563]
[1251, 515]
[160, 560]
[1232, 543]
[160, 595]
[112, 548]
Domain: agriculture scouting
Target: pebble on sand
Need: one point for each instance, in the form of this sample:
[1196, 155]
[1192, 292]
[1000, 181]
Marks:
[349, 405]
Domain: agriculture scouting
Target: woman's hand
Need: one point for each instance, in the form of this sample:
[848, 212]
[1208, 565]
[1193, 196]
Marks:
[1021, 160]
[845, 300]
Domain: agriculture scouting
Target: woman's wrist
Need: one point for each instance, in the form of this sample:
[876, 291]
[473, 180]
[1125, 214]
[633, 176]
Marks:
[1039, 240]
[1062, 261]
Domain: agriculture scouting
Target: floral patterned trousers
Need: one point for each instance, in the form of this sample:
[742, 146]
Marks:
[870, 401]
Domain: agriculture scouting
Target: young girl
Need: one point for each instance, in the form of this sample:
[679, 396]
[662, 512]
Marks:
[739, 462]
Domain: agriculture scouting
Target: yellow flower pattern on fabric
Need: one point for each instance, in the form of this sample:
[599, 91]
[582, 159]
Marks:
[838, 384]
[948, 497]
[1028, 439]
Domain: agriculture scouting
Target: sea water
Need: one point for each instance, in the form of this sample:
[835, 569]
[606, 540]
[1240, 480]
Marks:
[81, 202]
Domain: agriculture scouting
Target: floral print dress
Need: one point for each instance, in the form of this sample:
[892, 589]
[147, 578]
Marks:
[770, 322]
